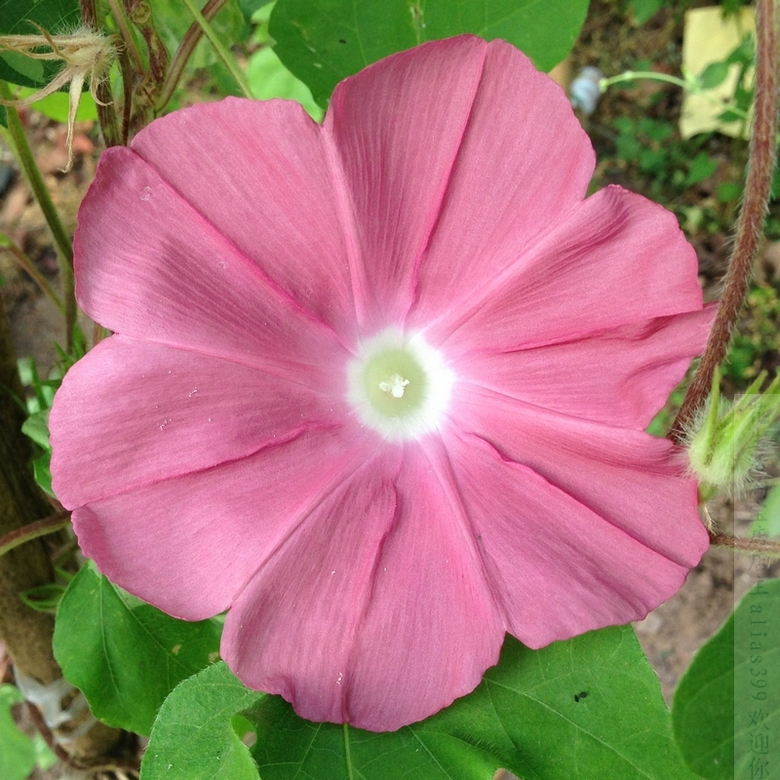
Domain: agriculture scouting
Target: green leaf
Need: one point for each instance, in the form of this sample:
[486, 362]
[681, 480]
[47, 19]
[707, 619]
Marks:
[17, 752]
[702, 167]
[36, 426]
[324, 42]
[43, 598]
[249, 7]
[42, 472]
[644, 10]
[590, 707]
[126, 656]
[728, 701]
[193, 735]
[54, 16]
[714, 75]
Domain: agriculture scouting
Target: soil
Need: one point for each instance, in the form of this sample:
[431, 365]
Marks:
[671, 634]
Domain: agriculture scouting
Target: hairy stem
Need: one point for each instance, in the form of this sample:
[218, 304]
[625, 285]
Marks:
[228, 60]
[751, 219]
[17, 141]
[184, 52]
[754, 545]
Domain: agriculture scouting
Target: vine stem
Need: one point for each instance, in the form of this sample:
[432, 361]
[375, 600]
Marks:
[17, 141]
[184, 52]
[755, 545]
[224, 54]
[761, 163]
[48, 525]
[651, 75]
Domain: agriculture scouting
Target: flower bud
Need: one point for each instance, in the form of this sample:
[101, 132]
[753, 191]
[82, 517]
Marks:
[725, 440]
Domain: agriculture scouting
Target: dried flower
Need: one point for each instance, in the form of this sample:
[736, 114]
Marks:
[379, 387]
[86, 54]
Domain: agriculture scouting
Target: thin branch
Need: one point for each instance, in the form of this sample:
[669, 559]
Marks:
[751, 219]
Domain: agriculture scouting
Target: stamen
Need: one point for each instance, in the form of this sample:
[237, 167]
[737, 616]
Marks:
[395, 386]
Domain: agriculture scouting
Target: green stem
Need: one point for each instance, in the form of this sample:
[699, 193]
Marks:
[651, 75]
[48, 525]
[17, 141]
[28, 266]
[224, 53]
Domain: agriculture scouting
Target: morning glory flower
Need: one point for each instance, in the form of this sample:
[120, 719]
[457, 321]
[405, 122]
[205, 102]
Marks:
[378, 388]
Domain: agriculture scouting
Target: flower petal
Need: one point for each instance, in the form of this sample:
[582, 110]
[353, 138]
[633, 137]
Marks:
[558, 568]
[524, 163]
[148, 265]
[271, 194]
[397, 582]
[396, 128]
[621, 376]
[184, 412]
[617, 259]
[188, 545]
[636, 482]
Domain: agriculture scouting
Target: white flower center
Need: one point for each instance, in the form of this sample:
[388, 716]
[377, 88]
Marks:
[399, 385]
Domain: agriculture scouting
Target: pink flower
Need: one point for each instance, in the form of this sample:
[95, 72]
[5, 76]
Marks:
[378, 388]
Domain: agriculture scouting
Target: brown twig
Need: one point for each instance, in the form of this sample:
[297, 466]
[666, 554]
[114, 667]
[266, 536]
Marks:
[761, 163]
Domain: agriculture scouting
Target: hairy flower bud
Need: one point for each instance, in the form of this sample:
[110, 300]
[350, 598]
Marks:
[725, 440]
[85, 53]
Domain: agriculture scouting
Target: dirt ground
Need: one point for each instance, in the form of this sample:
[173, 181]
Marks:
[671, 634]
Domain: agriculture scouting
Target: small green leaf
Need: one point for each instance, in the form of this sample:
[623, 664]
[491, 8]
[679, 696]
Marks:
[644, 10]
[729, 696]
[126, 656]
[36, 426]
[249, 7]
[728, 191]
[702, 167]
[324, 42]
[194, 735]
[714, 75]
[17, 752]
[42, 472]
[43, 598]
